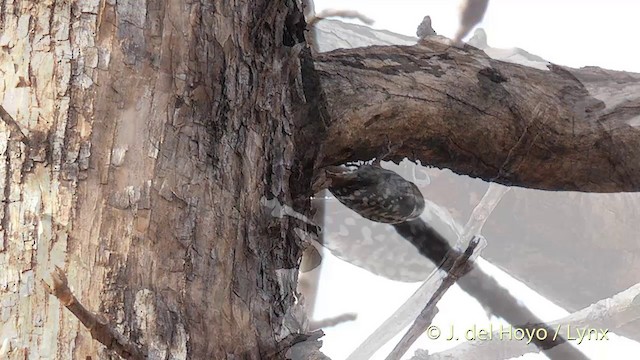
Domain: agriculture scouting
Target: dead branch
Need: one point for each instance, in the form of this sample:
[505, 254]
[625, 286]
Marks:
[411, 307]
[97, 325]
[502, 122]
[484, 288]
[476, 283]
[13, 126]
[312, 22]
[461, 265]
[347, 14]
[332, 321]
[481, 212]
[607, 314]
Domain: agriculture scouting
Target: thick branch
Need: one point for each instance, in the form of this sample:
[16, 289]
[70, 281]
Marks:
[458, 109]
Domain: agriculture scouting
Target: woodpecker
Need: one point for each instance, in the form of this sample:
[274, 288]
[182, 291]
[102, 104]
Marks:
[376, 193]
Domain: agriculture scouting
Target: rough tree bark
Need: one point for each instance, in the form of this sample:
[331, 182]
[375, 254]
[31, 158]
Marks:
[157, 132]
[161, 138]
[459, 109]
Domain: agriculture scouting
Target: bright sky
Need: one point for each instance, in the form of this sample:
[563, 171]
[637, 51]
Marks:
[568, 32]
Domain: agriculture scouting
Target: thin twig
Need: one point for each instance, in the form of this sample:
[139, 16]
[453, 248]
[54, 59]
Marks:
[410, 309]
[13, 126]
[332, 321]
[347, 14]
[97, 325]
[459, 268]
[483, 287]
[312, 22]
[477, 283]
[482, 211]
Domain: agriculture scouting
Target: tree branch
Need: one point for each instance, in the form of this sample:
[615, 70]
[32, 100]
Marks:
[459, 267]
[481, 212]
[97, 325]
[410, 309]
[502, 122]
[607, 314]
[13, 126]
[332, 321]
[484, 288]
[471, 14]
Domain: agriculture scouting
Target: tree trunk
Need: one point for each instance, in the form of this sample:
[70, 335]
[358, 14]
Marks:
[161, 154]
[157, 134]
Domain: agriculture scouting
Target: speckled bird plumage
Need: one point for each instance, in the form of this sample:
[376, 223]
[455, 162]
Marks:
[376, 193]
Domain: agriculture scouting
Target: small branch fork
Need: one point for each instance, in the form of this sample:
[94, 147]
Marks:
[408, 311]
[461, 265]
[97, 325]
[477, 283]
